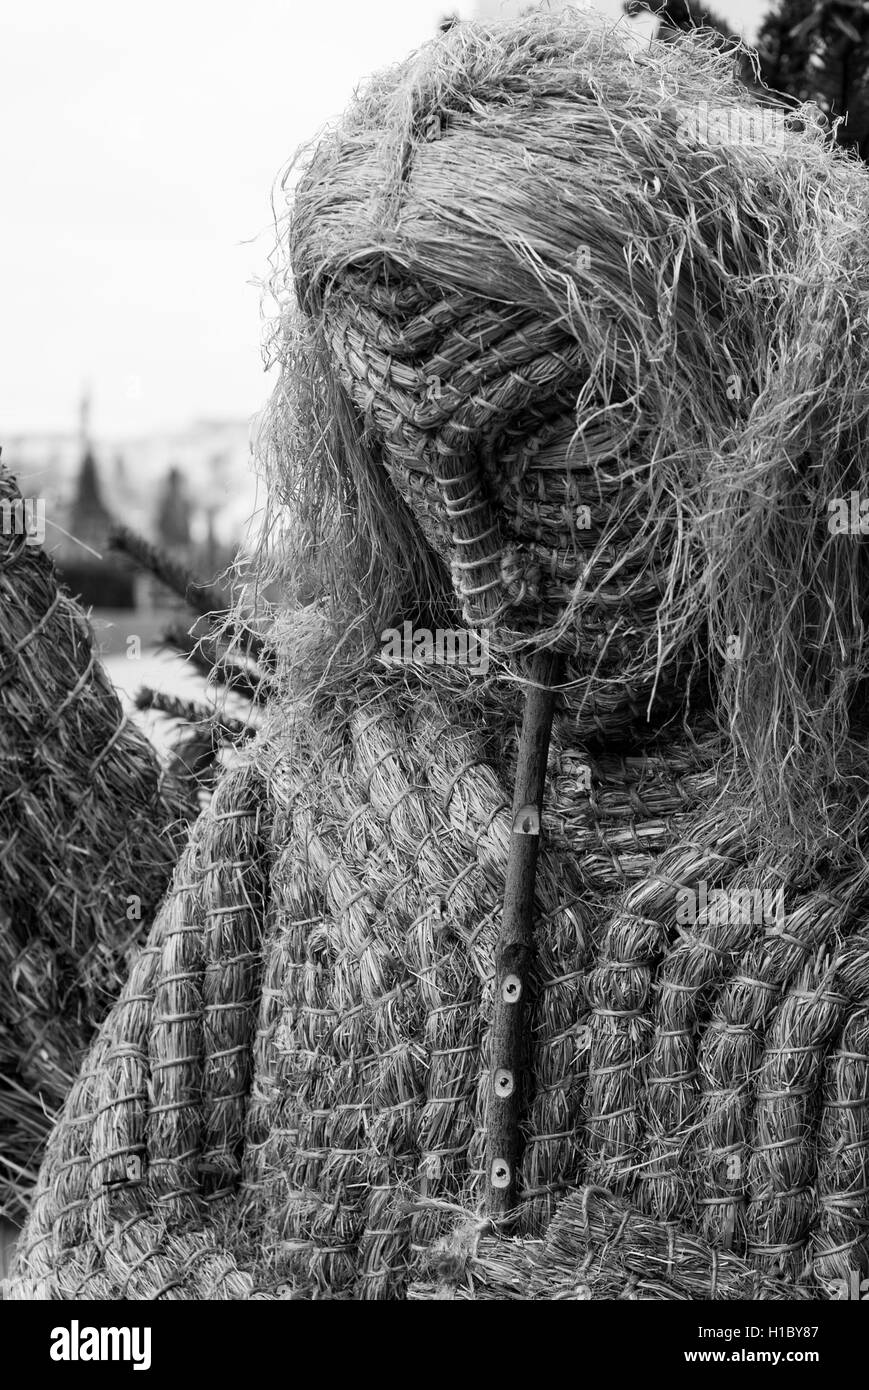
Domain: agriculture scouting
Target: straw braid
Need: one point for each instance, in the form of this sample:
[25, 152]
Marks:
[840, 1241]
[620, 992]
[731, 1049]
[699, 961]
[782, 1167]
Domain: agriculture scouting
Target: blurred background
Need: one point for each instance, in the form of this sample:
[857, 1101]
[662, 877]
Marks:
[140, 150]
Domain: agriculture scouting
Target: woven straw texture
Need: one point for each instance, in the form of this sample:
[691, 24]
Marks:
[89, 834]
[596, 1247]
[290, 1094]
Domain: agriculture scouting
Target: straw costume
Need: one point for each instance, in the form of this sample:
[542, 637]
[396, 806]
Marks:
[561, 368]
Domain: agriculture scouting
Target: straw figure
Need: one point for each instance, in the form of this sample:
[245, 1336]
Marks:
[575, 360]
[90, 830]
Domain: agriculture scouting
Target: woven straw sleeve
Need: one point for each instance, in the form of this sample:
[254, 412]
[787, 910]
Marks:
[151, 1130]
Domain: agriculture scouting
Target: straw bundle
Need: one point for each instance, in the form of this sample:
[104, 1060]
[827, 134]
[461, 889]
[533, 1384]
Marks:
[291, 1096]
[89, 836]
[598, 1247]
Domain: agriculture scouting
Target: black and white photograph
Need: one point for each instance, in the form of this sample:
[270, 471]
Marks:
[434, 678]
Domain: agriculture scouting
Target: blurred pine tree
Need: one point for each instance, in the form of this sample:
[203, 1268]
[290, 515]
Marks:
[820, 52]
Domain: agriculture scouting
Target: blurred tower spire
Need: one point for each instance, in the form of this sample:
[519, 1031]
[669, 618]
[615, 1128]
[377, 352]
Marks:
[90, 518]
[84, 421]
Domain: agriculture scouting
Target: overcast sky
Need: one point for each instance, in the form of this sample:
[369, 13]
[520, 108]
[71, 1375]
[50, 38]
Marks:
[138, 150]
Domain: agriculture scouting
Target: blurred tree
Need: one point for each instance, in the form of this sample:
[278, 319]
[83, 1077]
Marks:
[818, 50]
[96, 579]
[678, 14]
[679, 17]
[89, 516]
[172, 520]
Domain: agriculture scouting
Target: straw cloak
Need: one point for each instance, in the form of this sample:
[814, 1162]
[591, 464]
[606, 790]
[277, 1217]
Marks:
[290, 1096]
